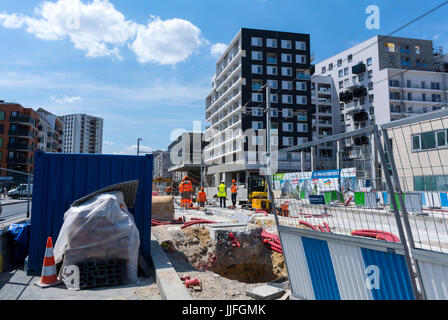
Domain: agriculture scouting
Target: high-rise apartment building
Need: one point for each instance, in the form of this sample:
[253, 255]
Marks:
[386, 78]
[82, 134]
[237, 103]
[161, 163]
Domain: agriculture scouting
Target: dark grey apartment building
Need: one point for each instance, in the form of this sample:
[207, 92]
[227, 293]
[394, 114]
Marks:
[237, 103]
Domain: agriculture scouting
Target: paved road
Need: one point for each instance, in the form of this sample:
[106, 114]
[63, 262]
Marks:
[13, 209]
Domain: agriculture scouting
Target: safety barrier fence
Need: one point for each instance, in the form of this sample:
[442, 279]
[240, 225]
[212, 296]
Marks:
[372, 224]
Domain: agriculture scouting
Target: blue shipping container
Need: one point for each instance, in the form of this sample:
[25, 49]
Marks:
[60, 179]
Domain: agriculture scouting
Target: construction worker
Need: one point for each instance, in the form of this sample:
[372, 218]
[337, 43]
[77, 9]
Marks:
[222, 195]
[202, 198]
[181, 191]
[187, 191]
[234, 191]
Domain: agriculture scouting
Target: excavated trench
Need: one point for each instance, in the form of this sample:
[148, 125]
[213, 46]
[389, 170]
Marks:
[237, 256]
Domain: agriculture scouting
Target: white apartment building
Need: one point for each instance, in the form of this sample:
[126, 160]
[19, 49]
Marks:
[51, 130]
[385, 78]
[83, 134]
[325, 120]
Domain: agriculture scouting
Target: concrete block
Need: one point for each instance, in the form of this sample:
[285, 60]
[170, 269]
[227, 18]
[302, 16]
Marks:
[265, 292]
[168, 282]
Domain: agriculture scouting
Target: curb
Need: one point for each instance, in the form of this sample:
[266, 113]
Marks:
[168, 282]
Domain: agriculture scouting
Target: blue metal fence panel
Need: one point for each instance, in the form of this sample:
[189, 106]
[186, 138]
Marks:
[444, 199]
[321, 269]
[60, 179]
[395, 283]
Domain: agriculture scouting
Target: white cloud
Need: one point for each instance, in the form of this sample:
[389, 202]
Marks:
[132, 150]
[97, 27]
[65, 99]
[166, 41]
[218, 49]
[100, 30]
[436, 37]
[109, 143]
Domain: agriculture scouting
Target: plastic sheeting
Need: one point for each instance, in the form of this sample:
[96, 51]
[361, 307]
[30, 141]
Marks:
[100, 228]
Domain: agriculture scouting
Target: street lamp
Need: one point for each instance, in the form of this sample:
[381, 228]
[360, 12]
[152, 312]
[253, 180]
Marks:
[138, 145]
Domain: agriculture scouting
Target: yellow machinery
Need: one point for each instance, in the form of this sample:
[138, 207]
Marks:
[257, 194]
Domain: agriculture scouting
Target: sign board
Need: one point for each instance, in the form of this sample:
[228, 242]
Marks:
[317, 199]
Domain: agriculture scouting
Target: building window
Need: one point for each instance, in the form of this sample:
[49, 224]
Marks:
[341, 84]
[300, 58]
[286, 44]
[257, 69]
[257, 97]
[302, 74]
[272, 58]
[257, 125]
[288, 141]
[300, 45]
[301, 86]
[341, 73]
[274, 112]
[302, 127]
[256, 84]
[257, 55]
[2, 115]
[369, 74]
[330, 67]
[302, 116]
[347, 82]
[257, 112]
[370, 97]
[286, 57]
[287, 98]
[350, 58]
[389, 47]
[287, 85]
[274, 98]
[257, 140]
[324, 70]
[301, 99]
[287, 113]
[345, 71]
[369, 61]
[257, 42]
[273, 84]
[431, 183]
[339, 62]
[287, 126]
[434, 86]
[271, 70]
[271, 43]
[286, 71]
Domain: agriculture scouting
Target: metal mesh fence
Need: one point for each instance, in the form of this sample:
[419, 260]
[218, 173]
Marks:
[419, 150]
[343, 191]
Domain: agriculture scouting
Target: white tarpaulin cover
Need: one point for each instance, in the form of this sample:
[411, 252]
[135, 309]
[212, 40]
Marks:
[100, 228]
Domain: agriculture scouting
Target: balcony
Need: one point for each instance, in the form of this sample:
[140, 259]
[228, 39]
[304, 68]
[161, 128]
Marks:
[346, 96]
[22, 133]
[20, 146]
[18, 160]
[359, 68]
[361, 116]
[359, 91]
[23, 120]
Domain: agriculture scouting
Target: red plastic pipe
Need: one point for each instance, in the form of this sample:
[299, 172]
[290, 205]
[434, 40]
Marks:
[308, 225]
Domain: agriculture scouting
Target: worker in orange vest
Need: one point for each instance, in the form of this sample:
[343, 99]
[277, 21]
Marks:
[202, 198]
[234, 191]
[181, 191]
[187, 192]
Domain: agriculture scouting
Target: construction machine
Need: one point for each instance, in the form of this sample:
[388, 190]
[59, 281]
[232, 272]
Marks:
[257, 194]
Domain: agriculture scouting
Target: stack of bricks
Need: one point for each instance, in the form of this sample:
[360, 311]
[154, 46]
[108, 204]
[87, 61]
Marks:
[100, 273]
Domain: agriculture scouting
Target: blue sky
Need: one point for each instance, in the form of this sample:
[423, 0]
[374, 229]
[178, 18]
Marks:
[145, 66]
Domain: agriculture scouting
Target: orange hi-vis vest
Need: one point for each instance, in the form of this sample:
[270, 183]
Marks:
[181, 187]
[187, 187]
[234, 188]
[202, 197]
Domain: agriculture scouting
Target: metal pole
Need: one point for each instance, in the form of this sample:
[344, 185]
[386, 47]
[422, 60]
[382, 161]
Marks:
[28, 197]
[404, 212]
[138, 145]
[268, 129]
[396, 213]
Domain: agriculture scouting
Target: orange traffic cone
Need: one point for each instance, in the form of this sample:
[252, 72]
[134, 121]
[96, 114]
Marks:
[49, 275]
